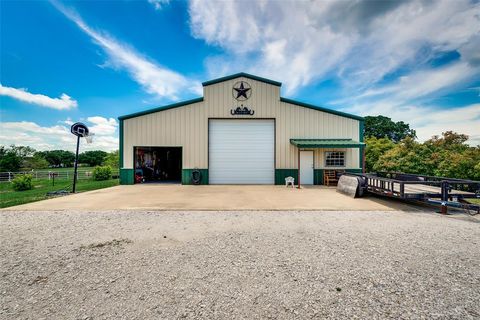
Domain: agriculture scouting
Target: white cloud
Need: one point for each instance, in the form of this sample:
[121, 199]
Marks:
[102, 126]
[359, 41]
[59, 136]
[159, 4]
[155, 79]
[63, 103]
[409, 99]
[462, 120]
[427, 120]
[419, 84]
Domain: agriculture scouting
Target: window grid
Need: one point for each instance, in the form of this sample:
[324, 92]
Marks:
[334, 159]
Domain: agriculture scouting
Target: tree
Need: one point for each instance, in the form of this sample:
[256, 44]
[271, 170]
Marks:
[59, 158]
[92, 158]
[375, 148]
[448, 155]
[23, 151]
[113, 159]
[35, 162]
[9, 159]
[384, 127]
[407, 156]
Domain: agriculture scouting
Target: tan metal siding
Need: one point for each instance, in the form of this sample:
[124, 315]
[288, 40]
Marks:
[187, 126]
[184, 126]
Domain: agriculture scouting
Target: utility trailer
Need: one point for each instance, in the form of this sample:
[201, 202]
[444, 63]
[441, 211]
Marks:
[442, 191]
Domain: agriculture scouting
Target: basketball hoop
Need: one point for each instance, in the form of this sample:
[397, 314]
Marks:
[89, 137]
[81, 131]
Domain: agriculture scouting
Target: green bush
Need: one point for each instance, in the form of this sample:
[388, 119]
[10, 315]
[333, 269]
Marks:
[22, 183]
[102, 173]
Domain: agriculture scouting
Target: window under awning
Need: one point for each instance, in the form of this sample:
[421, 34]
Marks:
[326, 143]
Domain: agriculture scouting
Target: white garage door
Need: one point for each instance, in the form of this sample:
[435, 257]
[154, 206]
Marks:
[241, 152]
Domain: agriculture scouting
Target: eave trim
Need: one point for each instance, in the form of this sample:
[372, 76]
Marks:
[158, 109]
[241, 74]
[318, 108]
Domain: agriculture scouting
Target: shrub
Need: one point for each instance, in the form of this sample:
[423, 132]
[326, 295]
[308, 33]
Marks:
[22, 182]
[102, 173]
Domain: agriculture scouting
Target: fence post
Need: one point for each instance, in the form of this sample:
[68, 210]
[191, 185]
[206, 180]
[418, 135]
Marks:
[9, 179]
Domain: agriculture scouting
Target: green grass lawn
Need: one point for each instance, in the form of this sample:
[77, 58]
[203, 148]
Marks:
[9, 197]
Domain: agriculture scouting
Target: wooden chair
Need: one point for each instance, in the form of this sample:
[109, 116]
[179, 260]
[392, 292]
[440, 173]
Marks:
[330, 177]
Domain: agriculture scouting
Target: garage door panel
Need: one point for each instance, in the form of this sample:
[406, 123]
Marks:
[241, 151]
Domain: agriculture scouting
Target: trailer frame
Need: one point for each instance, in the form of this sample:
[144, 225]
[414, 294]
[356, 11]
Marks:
[442, 191]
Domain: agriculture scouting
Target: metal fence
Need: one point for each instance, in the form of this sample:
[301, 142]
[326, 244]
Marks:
[82, 174]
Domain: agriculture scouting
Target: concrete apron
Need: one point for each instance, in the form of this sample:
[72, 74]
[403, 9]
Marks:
[211, 197]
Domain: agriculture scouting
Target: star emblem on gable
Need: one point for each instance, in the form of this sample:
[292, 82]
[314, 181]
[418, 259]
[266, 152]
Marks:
[241, 91]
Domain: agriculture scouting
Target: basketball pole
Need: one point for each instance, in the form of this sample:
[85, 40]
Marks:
[76, 166]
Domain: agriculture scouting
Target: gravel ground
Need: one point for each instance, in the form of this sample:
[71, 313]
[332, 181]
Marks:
[238, 265]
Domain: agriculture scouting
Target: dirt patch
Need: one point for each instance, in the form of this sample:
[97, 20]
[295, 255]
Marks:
[111, 243]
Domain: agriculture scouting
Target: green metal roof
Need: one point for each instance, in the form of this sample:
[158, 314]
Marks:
[170, 106]
[242, 74]
[326, 143]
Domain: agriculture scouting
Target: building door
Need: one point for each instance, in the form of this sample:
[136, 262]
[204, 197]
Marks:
[241, 151]
[306, 167]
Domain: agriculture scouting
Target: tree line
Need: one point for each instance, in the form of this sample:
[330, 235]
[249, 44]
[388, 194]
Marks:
[392, 146]
[25, 158]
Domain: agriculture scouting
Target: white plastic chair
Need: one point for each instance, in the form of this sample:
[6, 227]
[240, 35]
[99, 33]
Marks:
[289, 181]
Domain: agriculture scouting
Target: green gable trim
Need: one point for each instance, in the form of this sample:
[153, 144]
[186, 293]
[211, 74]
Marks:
[170, 106]
[241, 74]
[311, 106]
[326, 143]
[126, 176]
[187, 176]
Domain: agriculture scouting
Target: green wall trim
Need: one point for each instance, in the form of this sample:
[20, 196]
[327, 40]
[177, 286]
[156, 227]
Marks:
[187, 176]
[281, 174]
[354, 170]
[317, 176]
[126, 176]
[163, 108]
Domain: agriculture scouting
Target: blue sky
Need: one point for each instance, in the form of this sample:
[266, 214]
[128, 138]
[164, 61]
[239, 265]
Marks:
[61, 62]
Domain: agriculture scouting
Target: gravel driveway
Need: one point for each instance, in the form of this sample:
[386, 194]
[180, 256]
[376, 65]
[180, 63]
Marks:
[238, 265]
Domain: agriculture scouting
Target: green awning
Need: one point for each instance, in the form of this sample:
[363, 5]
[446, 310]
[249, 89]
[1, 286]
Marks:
[326, 143]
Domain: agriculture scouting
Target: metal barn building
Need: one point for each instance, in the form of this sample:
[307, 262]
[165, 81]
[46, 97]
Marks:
[240, 132]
